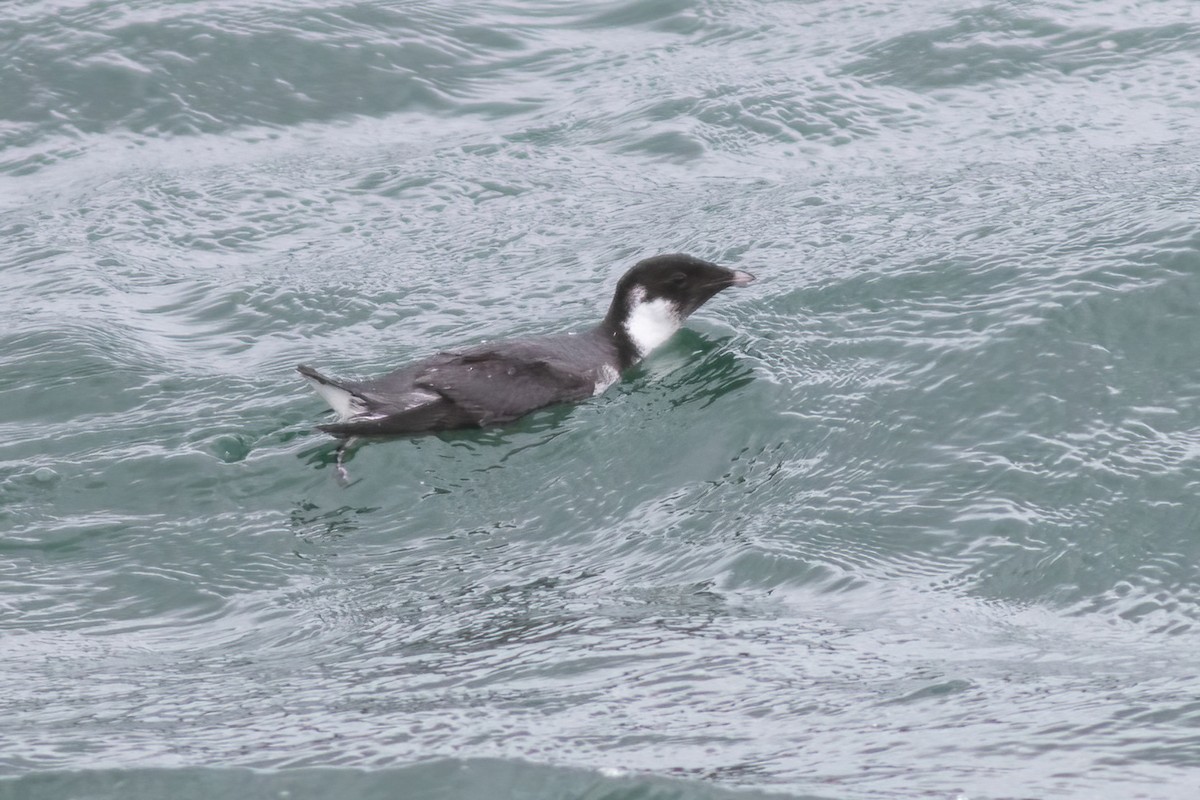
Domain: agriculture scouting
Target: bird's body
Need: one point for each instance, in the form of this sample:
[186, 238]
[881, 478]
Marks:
[495, 383]
[477, 386]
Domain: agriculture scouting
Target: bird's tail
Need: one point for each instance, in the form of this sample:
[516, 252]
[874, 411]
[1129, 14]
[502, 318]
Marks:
[345, 401]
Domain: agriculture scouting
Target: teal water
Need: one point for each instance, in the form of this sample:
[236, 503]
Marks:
[913, 516]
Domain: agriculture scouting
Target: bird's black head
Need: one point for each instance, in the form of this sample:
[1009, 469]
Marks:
[655, 296]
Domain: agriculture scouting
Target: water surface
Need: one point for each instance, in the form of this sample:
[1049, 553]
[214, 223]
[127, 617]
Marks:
[912, 516]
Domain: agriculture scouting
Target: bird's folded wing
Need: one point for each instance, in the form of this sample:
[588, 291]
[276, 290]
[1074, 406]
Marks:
[496, 388]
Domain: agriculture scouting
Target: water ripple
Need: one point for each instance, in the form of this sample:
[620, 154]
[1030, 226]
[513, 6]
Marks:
[911, 513]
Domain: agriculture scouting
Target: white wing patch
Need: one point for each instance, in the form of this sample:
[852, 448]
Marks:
[650, 323]
[348, 407]
[420, 397]
[345, 405]
[607, 377]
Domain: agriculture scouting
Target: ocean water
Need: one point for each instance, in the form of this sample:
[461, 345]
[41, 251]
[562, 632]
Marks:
[913, 516]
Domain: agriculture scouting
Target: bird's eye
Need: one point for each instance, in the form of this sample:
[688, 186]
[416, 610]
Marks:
[679, 280]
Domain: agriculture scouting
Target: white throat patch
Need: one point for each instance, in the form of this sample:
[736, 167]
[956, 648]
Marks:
[650, 323]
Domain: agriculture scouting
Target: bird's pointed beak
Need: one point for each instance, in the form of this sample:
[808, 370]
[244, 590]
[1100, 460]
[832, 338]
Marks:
[741, 278]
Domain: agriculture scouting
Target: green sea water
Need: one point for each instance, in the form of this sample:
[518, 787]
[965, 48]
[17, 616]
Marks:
[914, 515]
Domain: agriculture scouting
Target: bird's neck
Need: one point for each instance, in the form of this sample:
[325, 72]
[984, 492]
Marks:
[650, 323]
[637, 326]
